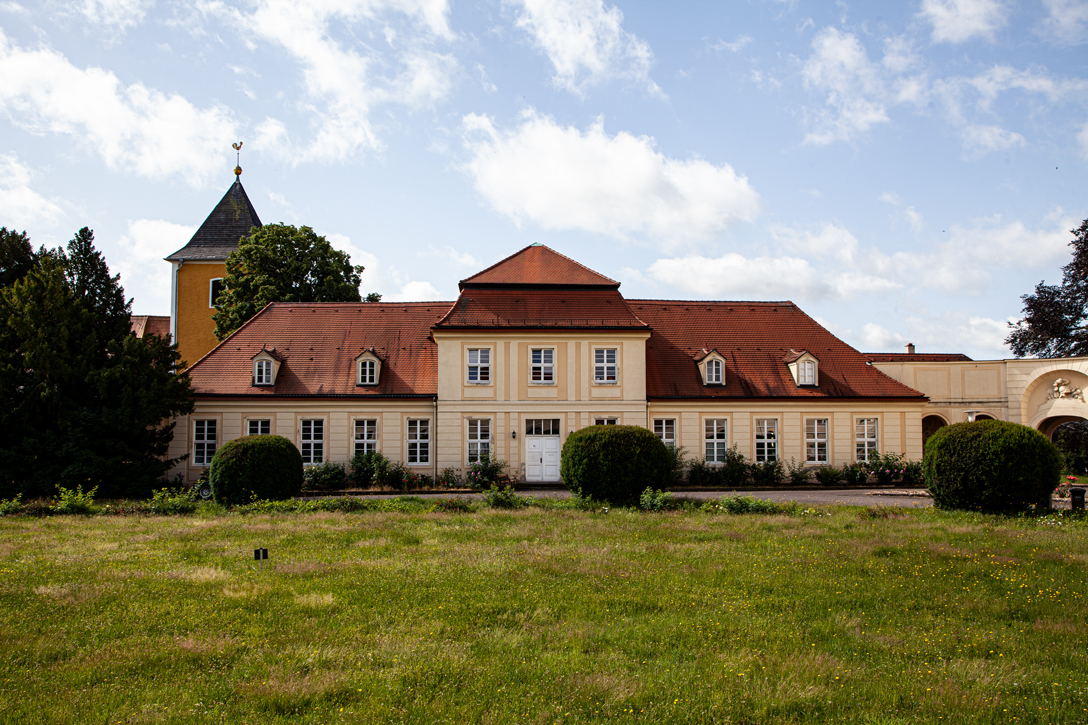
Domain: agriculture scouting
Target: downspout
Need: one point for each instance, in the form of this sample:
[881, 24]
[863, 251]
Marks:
[434, 457]
[175, 266]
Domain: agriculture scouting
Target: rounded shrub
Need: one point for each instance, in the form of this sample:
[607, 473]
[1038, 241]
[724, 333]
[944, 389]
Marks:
[990, 465]
[615, 463]
[262, 467]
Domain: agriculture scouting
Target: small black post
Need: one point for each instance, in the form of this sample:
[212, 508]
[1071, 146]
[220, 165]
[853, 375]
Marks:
[1076, 496]
[260, 555]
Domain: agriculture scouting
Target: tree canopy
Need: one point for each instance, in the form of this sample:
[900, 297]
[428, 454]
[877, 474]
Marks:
[17, 257]
[83, 401]
[282, 263]
[1055, 322]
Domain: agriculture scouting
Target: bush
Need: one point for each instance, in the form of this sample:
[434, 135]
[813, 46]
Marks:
[173, 501]
[11, 506]
[991, 466]
[912, 475]
[449, 478]
[768, 473]
[652, 500]
[828, 476]
[888, 468]
[677, 465]
[1072, 441]
[75, 502]
[798, 474]
[327, 476]
[453, 506]
[614, 463]
[504, 498]
[256, 467]
[368, 469]
[749, 505]
[855, 474]
[732, 473]
[396, 476]
[485, 472]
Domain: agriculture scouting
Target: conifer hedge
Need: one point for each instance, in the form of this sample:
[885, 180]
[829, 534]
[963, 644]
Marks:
[992, 466]
[267, 468]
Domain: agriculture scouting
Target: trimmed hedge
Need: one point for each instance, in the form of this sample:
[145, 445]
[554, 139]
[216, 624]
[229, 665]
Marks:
[256, 467]
[614, 463]
[992, 466]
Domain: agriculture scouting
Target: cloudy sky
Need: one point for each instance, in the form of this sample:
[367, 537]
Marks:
[902, 171]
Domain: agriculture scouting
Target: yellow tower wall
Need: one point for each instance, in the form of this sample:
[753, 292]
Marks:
[195, 329]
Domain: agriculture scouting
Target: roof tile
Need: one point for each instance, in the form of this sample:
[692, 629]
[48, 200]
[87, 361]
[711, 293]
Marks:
[538, 265]
[231, 219]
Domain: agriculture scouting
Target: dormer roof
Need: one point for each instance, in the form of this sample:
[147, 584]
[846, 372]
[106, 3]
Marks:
[270, 352]
[795, 355]
[541, 267]
[231, 219]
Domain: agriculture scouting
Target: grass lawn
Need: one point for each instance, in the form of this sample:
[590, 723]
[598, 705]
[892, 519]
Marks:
[543, 616]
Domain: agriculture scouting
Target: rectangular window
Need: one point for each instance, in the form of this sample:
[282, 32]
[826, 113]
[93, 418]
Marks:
[366, 436]
[313, 442]
[604, 366]
[766, 440]
[605, 421]
[259, 427]
[542, 365]
[717, 438]
[479, 365]
[215, 288]
[419, 442]
[368, 372]
[479, 439]
[713, 372]
[806, 373]
[262, 373]
[865, 439]
[665, 429]
[816, 440]
[204, 439]
[542, 427]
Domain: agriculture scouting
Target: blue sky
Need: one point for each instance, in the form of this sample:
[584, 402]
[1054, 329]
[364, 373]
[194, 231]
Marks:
[903, 172]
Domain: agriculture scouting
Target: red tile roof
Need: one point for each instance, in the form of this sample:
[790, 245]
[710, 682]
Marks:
[917, 357]
[754, 338]
[537, 265]
[150, 325]
[528, 308]
[319, 343]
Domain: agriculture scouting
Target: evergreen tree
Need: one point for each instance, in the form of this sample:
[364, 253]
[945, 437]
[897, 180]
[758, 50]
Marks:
[17, 257]
[83, 401]
[282, 263]
[1055, 322]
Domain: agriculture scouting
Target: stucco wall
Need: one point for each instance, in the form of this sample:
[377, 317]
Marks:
[195, 329]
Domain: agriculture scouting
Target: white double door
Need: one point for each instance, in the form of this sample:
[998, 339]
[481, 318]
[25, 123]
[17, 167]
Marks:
[541, 458]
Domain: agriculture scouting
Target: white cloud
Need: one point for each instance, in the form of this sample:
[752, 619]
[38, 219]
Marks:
[914, 218]
[345, 83]
[563, 178]
[120, 14]
[855, 91]
[734, 276]
[415, 291]
[955, 21]
[144, 275]
[21, 206]
[831, 240]
[1066, 21]
[984, 139]
[736, 46]
[875, 338]
[586, 43]
[1082, 137]
[462, 258]
[899, 54]
[132, 128]
[1001, 78]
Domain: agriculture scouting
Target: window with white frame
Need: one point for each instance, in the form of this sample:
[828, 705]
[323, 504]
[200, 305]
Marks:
[865, 439]
[766, 440]
[419, 442]
[215, 288]
[479, 439]
[479, 365]
[542, 365]
[204, 439]
[604, 365]
[605, 421]
[806, 372]
[366, 436]
[716, 435]
[816, 440]
[368, 372]
[665, 429]
[259, 427]
[313, 442]
[262, 372]
[713, 372]
[542, 427]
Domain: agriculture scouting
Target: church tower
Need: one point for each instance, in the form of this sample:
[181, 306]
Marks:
[198, 269]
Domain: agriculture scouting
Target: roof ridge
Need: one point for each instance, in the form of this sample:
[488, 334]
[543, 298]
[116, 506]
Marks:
[714, 302]
[218, 230]
[605, 281]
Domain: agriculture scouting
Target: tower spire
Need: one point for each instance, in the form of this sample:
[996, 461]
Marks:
[238, 160]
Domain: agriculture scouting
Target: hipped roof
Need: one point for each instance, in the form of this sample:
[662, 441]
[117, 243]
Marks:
[529, 308]
[537, 266]
[231, 219]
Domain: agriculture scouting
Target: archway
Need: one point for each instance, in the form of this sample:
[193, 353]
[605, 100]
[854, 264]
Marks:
[983, 416]
[1071, 438]
[930, 425]
[1049, 426]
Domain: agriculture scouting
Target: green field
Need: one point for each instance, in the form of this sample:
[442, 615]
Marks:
[542, 616]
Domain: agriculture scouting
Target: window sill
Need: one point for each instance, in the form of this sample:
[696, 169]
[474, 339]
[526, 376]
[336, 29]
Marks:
[484, 384]
[366, 385]
[606, 383]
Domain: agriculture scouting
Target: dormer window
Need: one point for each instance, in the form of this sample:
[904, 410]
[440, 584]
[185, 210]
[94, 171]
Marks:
[266, 366]
[804, 368]
[262, 372]
[368, 368]
[711, 367]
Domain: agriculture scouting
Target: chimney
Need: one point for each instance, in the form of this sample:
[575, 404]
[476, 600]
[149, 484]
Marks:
[910, 348]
